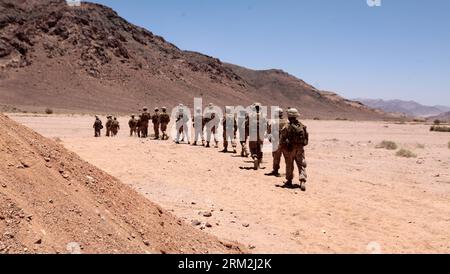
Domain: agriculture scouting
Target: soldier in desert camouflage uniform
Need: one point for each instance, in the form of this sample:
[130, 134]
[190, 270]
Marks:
[243, 127]
[139, 126]
[229, 125]
[198, 128]
[211, 122]
[155, 121]
[109, 122]
[133, 123]
[164, 120]
[145, 118]
[115, 127]
[257, 125]
[98, 126]
[274, 129]
[182, 120]
[294, 138]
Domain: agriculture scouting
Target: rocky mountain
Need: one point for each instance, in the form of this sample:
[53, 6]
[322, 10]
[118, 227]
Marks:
[89, 59]
[408, 108]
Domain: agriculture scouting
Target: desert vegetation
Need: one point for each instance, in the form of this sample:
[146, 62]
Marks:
[389, 145]
[405, 153]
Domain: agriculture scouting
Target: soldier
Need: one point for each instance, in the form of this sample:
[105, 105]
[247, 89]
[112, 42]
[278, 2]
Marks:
[139, 126]
[198, 128]
[164, 120]
[294, 138]
[115, 127]
[98, 126]
[211, 123]
[274, 130]
[256, 121]
[243, 127]
[155, 121]
[145, 118]
[109, 123]
[133, 123]
[181, 122]
[229, 130]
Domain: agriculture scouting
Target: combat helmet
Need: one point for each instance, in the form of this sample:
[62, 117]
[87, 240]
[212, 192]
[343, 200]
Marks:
[293, 113]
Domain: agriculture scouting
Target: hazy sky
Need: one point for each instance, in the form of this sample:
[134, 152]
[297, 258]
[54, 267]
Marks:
[400, 50]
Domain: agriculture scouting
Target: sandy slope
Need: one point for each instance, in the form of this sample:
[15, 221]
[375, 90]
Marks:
[51, 201]
[360, 199]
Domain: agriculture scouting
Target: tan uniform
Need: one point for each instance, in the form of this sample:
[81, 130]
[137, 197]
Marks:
[229, 130]
[182, 125]
[132, 123]
[243, 127]
[108, 125]
[294, 137]
[164, 120]
[198, 129]
[98, 126]
[211, 124]
[139, 127]
[115, 127]
[155, 121]
[256, 142]
[145, 118]
[277, 151]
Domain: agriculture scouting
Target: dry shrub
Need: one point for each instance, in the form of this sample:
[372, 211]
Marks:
[405, 153]
[387, 145]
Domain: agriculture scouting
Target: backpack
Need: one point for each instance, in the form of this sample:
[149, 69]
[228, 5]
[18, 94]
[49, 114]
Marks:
[296, 134]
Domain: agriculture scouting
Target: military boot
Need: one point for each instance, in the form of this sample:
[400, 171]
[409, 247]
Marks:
[255, 163]
[303, 185]
[288, 184]
[274, 173]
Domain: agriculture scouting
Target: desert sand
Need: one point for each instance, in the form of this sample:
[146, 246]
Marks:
[51, 201]
[360, 199]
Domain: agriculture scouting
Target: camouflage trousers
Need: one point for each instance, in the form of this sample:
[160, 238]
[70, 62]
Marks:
[211, 132]
[297, 155]
[198, 135]
[277, 158]
[144, 130]
[164, 131]
[184, 132]
[97, 132]
[227, 138]
[156, 130]
[256, 149]
[133, 131]
[114, 132]
[244, 149]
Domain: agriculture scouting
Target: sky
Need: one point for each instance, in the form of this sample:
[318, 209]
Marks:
[398, 50]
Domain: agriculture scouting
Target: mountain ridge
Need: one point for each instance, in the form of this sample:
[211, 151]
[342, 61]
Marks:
[406, 107]
[90, 59]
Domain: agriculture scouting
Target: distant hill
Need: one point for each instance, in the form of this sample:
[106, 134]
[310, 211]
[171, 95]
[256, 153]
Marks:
[89, 59]
[408, 108]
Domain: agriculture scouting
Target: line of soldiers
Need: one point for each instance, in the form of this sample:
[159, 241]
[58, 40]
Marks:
[112, 126]
[290, 142]
[288, 136]
[139, 126]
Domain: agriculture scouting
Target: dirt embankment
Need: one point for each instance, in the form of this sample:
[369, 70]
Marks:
[51, 201]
